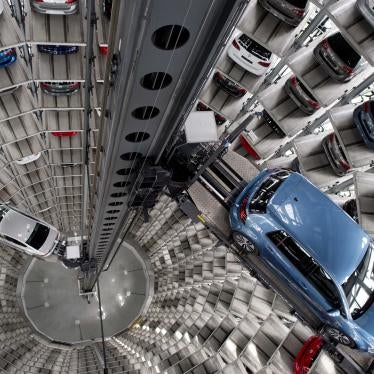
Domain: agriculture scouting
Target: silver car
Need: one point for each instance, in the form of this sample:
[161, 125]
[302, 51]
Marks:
[291, 12]
[56, 7]
[335, 155]
[366, 7]
[26, 233]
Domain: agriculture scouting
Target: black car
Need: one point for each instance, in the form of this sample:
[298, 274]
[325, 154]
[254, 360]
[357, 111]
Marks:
[270, 122]
[291, 12]
[363, 118]
[201, 107]
[107, 8]
[228, 85]
[350, 207]
[338, 58]
[301, 96]
[53, 49]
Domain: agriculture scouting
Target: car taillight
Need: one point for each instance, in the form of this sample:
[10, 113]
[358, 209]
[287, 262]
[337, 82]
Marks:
[242, 91]
[42, 84]
[218, 76]
[298, 12]
[347, 69]
[70, 1]
[325, 44]
[243, 209]
[10, 52]
[314, 104]
[103, 49]
[294, 81]
[366, 107]
[236, 45]
[219, 118]
[264, 63]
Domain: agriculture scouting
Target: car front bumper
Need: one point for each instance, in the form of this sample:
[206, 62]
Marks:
[298, 100]
[63, 9]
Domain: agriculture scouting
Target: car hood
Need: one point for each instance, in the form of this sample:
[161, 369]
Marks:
[320, 226]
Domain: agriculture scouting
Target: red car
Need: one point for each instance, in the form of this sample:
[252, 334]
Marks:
[64, 133]
[307, 354]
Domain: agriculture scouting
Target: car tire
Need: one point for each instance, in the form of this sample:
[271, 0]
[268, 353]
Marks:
[339, 337]
[243, 243]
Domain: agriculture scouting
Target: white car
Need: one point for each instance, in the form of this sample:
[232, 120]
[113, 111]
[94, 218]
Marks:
[27, 159]
[26, 233]
[250, 55]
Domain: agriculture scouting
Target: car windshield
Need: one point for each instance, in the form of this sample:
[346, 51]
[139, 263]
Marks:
[38, 236]
[359, 288]
[345, 52]
[307, 266]
[298, 3]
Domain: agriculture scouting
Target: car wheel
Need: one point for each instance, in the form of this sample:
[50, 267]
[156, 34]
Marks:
[243, 243]
[339, 337]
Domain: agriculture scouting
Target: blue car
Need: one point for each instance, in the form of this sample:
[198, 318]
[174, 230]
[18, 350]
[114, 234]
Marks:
[52, 49]
[314, 247]
[363, 118]
[7, 57]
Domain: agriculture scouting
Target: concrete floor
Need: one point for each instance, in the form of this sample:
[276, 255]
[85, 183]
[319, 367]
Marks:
[53, 305]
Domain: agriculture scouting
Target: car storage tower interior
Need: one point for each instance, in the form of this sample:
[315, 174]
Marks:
[135, 168]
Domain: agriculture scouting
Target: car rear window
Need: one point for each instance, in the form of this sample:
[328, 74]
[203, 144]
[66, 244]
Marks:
[298, 3]
[342, 48]
[38, 236]
[251, 46]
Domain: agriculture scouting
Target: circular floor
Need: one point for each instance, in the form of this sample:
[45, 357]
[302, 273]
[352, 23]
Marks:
[51, 300]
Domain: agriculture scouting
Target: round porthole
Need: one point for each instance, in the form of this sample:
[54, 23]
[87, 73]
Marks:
[145, 112]
[125, 171]
[137, 137]
[156, 80]
[130, 156]
[121, 184]
[170, 37]
[116, 203]
[118, 194]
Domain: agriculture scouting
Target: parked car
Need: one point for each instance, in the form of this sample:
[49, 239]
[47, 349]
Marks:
[53, 49]
[64, 133]
[250, 55]
[7, 57]
[26, 233]
[301, 95]
[201, 107]
[27, 159]
[350, 207]
[363, 118]
[271, 123]
[308, 354]
[56, 7]
[60, 88]
[9, 90]
[338, 58]
[291, 12]
[107, 8]
[366, 7]
[311, 247]
[335, 154]
[228, 85]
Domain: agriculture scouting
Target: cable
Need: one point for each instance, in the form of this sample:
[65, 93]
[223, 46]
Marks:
[102, 327]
